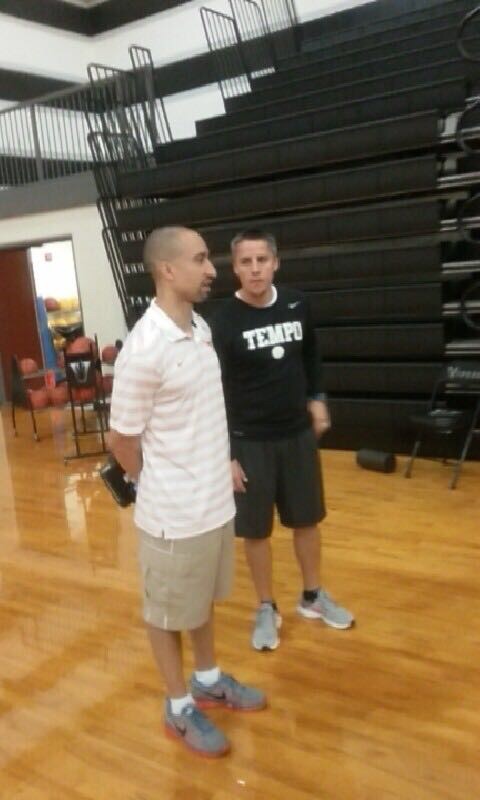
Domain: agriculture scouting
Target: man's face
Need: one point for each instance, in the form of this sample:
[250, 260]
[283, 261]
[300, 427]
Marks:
[192, 272]
[255, 265]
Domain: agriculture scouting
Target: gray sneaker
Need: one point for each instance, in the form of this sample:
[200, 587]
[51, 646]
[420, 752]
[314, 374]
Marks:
[228, 693]
[196, 731]
[326, 609]
[265, 629]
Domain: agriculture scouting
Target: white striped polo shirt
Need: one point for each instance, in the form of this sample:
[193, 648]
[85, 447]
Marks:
[167, 388]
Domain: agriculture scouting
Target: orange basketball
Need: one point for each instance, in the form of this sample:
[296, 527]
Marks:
[51, 304]
[109, 354]
[107, 384]
[82, 345]
[38, 398]
[27, 366]
[58, 395]
[83, 395]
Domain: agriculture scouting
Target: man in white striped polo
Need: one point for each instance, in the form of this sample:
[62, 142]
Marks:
[169, 433]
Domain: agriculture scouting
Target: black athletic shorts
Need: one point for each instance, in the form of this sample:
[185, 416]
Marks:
[284, 473]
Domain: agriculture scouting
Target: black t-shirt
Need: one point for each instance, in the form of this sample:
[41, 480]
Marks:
[269, 365]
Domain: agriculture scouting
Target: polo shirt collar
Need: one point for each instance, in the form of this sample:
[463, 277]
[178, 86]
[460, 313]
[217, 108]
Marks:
[166, 324]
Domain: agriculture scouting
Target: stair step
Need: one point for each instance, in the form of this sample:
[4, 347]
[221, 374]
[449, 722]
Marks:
[349, 144]
[338, 97]
[341, 27]
[323, 79]
[370, 182]
[364, 38]
[342, 59]
[376, 221]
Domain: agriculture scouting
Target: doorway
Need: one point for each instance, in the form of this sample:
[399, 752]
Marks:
[40, 309]
[19, 333]
[59, 313]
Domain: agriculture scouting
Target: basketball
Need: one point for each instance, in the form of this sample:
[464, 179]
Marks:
[51, 304]
[83, 395]
[109, 354]
[27, 366]
[38, 398]
[108, 384]
[82, 345]
[58, 395]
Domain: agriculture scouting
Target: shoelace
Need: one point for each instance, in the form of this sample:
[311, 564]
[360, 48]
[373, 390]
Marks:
[325, 597]
[199, 720]
[265, 611]
[233, 685]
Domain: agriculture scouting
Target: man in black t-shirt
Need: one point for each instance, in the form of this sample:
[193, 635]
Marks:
[276, 410]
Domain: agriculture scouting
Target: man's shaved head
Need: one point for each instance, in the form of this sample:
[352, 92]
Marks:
[178, 259]
[163, 244]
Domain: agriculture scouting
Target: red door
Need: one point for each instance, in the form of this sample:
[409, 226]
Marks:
[18, 321]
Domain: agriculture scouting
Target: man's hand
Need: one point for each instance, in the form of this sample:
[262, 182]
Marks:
[320, 417]
[128, 452]
[239, 477]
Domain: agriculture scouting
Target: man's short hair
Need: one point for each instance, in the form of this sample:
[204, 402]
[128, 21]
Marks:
[255, 235]
[161, 245]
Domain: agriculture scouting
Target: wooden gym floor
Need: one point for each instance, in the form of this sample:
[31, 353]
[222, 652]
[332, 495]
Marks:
[387, 711]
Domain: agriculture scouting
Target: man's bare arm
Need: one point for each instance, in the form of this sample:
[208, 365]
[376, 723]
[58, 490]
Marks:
[128, 452]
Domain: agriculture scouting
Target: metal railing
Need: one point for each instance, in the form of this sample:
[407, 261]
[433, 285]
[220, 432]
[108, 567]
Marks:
[46, 138]
[248, 43]
[156, 119]
[125, 135]
[282, 16]
[49, 137]
[259, 47]
[225, 44]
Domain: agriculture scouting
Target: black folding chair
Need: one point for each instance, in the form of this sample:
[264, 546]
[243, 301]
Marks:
[458, 381]
[20, 397]
[85, 386]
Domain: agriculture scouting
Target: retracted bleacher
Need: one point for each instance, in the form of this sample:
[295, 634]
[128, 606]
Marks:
[348, 154]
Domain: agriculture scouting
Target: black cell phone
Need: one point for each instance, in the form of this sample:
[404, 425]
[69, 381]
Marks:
[113, 475]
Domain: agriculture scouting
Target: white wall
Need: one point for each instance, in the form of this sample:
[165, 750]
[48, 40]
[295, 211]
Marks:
[171, 35]
[102, 312]
[29, 47]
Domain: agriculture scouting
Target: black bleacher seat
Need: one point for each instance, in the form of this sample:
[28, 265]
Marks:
[445, 97]
[382, 220]
[408, 25]
[323, 77]
[415, 131]
[376, 17]
[369, 48]
[380, 378]
[374, 423]
[317, 190]
[419, 303]
[383, 263]
[336, 97]
[382, 342]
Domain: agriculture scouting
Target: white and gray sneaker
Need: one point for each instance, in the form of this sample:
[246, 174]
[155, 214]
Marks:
[195, 731]
[265, 628]
[325, 608]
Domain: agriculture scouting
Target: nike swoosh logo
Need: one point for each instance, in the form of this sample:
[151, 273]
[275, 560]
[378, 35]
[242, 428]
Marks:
[214, 696]
[294, 305]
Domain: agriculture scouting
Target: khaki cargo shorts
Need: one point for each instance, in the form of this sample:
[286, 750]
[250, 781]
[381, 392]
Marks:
[183, 577]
